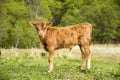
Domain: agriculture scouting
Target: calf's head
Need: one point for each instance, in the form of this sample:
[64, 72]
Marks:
[41, 27]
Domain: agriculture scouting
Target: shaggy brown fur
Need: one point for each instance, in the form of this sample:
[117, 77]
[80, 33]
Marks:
[65, 37]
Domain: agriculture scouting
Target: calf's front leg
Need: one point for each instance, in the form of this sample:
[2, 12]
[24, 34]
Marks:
[50, 60]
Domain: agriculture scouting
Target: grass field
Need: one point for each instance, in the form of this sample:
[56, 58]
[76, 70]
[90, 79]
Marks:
[20, 64]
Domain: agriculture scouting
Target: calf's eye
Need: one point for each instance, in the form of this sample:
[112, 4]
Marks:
[37, 29]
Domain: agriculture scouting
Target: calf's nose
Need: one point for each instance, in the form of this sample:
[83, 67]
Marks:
[40, 35]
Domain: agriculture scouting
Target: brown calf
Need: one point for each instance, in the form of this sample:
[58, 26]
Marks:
[65, 37]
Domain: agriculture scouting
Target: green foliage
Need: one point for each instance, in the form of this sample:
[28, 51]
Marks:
[16, 31]
[101, 14]
[15, 15]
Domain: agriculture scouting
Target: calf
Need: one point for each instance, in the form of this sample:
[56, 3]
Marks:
[54, 38]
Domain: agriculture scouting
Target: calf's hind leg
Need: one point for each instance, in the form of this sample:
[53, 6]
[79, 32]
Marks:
[88, 53]
[86, 56]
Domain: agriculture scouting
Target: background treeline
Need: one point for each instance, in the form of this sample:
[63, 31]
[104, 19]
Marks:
[15, 15]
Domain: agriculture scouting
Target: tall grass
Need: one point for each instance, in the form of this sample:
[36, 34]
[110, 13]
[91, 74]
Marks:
[96, 50]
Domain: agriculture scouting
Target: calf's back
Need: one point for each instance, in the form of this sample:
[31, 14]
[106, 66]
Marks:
[67, 37]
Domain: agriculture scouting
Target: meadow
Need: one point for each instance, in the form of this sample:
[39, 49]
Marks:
[32, 64]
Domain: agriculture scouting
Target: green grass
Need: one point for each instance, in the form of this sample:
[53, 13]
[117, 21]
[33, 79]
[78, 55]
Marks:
[27, 64]
[35, 68]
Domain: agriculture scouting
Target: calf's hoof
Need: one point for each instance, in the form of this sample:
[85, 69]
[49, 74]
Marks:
[82, 68]
[49, 71]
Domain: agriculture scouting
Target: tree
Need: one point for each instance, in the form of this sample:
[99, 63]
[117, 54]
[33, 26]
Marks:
[17, 24]
[39, 9]
[3, 24]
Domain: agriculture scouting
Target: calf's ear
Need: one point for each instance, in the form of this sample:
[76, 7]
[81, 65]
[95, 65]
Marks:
[49, 24]
[32, 24]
